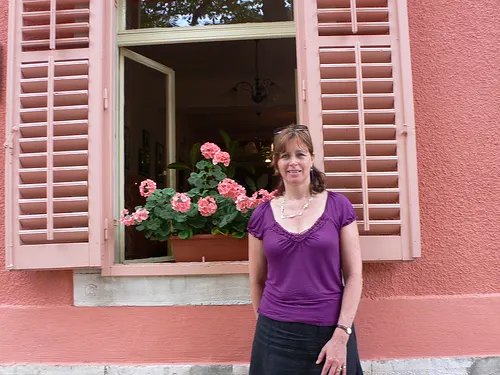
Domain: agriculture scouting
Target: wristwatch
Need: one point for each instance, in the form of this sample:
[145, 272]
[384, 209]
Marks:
[346, 329]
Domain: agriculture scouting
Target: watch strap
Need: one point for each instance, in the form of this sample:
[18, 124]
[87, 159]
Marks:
[344, 328]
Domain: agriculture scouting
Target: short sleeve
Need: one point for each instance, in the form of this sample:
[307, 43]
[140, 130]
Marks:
[257, 223]
[345, 210]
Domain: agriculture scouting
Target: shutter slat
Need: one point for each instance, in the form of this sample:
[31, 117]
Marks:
[62, 143]
[61, 235]
[66, 15]
[61, 189]
[61, 158]
[61, 174]
[67, 205]
[61, 220]
[35, 130]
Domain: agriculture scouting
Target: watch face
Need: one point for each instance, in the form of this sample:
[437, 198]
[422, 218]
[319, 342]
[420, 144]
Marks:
[349, 330]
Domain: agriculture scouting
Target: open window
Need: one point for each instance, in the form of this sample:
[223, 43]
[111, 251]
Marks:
[215, 94]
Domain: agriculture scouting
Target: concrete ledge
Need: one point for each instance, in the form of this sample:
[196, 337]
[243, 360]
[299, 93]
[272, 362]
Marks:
[425, 366]
[91, 289]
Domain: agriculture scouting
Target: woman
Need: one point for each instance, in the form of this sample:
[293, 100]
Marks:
[302, 244]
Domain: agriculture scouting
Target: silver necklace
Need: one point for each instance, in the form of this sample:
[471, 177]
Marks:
[301, 211]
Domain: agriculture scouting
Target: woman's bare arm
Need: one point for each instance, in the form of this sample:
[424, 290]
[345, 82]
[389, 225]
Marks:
[258, 270]
[352, 271]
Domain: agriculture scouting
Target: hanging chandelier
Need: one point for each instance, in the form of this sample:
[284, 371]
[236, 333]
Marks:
[259, 89]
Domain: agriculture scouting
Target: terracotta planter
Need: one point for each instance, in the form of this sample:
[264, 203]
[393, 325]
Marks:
[209, 248]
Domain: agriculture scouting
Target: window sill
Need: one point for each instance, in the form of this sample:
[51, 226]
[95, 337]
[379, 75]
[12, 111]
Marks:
[176, 269]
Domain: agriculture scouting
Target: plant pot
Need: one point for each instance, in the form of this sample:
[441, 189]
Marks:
[209, 248]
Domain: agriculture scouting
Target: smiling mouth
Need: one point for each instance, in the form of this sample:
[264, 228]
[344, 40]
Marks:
[293, 171]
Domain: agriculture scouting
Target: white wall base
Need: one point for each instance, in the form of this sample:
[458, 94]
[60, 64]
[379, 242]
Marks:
[426, 366]
[91, 289]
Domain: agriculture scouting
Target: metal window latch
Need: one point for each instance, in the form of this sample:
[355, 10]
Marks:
[106, 230]
[105, 98]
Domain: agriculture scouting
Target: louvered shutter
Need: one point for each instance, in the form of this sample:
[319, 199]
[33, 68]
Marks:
[54, 140]
[360, 110]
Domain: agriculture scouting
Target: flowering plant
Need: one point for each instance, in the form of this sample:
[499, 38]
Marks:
[215, 204]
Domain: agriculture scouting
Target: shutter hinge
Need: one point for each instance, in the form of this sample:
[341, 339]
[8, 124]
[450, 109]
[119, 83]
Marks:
[304, 90]
[10, 139]
[105, 97]
[106, 230]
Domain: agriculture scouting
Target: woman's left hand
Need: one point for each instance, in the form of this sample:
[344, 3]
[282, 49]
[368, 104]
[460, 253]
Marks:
[334, 354]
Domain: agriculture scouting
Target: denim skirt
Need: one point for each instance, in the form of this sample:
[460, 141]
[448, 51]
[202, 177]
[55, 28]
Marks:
[282, 348]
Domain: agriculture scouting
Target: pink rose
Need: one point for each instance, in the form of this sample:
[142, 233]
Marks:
[126, 219]
[252, 203]
[263, 195]
[230, 189]
[147, 187]
[208, 150]
[241, 203]
[222, 157]
[181, 202]
[141, 214]
[207, 206]
[238, 190]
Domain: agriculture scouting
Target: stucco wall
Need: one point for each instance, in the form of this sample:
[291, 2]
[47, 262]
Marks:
[455, 57]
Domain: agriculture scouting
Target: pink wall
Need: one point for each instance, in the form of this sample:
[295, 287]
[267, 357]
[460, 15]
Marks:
[455, 59]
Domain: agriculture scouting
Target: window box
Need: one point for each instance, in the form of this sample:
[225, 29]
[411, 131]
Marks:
[209, 248]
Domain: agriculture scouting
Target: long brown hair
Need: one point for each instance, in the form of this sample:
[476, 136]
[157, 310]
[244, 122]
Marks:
[301, 134]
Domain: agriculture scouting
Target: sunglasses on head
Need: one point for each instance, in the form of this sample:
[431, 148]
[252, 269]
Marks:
[292, 127]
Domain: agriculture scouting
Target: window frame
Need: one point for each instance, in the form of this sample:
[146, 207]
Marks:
[128, 38]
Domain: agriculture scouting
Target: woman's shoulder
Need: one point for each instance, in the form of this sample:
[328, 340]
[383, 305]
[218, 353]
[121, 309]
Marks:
[262, 208]
[341, 208]
[260, 219]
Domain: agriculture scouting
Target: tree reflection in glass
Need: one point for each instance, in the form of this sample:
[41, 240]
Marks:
[185, 13]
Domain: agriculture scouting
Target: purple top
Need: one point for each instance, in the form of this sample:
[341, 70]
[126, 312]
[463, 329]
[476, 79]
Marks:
[304, 282]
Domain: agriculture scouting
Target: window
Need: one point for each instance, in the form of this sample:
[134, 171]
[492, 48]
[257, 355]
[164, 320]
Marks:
[174, 94]
[352, 84]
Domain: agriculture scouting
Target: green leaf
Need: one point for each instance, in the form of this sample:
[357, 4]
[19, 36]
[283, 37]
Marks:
[250, 183]
[262, 181]
[228, 218]
[186, 234]
[223, 232]
[194, 154]
[239, 235]
[179, 166]
[202, 164]
[168, 193]
[226, 138]
[234, 150]
[230, 171]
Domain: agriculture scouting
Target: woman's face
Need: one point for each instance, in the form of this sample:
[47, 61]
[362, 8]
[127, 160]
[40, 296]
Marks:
[294, 164]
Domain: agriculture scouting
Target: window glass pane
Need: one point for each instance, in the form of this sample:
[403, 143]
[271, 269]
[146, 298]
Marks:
[142, 14]
[145, 146]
